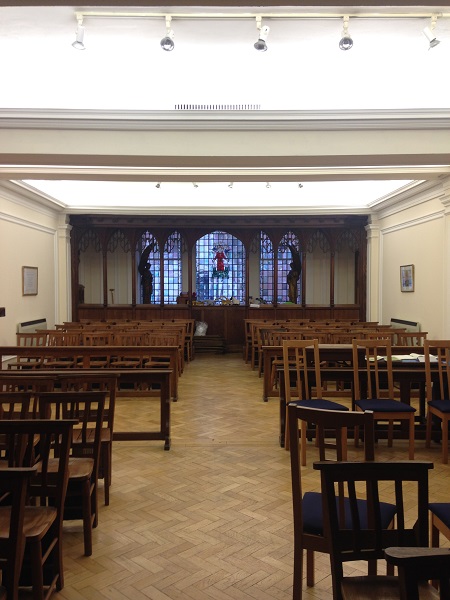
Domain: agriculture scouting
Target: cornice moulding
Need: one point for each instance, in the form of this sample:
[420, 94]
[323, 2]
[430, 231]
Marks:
[225, 120]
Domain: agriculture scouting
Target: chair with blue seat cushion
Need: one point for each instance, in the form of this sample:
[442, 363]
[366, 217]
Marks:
[440, 521]
[301, 371]
[372, 370]
[332, 428]
[437, 358]
[405, 484]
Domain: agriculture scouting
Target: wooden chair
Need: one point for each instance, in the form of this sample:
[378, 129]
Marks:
[82, 490]
[16, 405]
[14, 484]
[332, 431]
[37, 338]
[43, 560]
[377, 376]
[98, 338]
[105, 382]
[437, 393]
[366, 537]
[10, 382]
[411, 338]
[416, 566]
[301, 373]
[439, 521]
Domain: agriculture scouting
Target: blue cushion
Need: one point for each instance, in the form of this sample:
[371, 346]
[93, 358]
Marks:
[313, 518]
[441, 510]
[322, 404]
[384, 405]
[442, 405]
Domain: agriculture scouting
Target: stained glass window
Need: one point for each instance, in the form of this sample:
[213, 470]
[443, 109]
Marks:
[148, 245]
[172, 268]
[266, 269]
[220, 267]
[284, 266]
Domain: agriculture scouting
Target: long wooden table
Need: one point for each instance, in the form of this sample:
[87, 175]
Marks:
[156, 382]
[82, 356]
[339, 367]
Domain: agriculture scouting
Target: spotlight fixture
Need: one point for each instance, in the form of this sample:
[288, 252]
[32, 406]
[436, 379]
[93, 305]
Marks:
[260, 44]
[300, 185]
[158, 185]
[78, 43]
[167, 41]
[230, 185]
[195, 185]
[429, 33]
[268, 186]
[346, 41]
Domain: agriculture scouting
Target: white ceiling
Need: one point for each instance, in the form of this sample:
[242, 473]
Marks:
[123, 68]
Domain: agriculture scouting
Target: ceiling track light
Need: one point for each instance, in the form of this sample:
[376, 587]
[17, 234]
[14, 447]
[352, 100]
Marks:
[429, 33]
[195, 184]
[300, 185]
[230, 185]
[79, 36]
[167, 43]
[346, 41]
[260, 44]
[158, 185]
[268, 186]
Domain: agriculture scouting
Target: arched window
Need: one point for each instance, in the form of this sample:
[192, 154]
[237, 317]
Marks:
[266, 269]
[172, 268]
[220, 267]
[288, 252]
[148, 278]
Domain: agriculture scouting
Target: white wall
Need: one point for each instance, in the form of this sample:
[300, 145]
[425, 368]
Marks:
[28, 237]
[414, 233]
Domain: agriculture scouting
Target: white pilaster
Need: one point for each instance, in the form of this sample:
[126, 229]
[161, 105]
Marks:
[63, 272]
[373, 270]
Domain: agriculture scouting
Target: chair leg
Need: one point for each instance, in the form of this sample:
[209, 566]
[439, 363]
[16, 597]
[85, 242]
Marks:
[106, 467]
[428, 430]
[297, 591]
[287, 444]
[37, 570]
[411, 437]
[87, 517]
[444, 427]
[310, 568]
[303, 430]
[390, 433]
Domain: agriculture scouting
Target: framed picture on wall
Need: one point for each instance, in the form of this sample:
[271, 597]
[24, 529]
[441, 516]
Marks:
[407, 278]
[29, 281]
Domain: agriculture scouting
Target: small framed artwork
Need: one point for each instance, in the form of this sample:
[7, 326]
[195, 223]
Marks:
[29, 281]
[407, 278]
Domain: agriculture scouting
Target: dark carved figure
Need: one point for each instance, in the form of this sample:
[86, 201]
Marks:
[294, 274]
[146, 275]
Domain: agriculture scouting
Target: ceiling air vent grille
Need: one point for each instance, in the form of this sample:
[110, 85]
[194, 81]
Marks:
[217, 106]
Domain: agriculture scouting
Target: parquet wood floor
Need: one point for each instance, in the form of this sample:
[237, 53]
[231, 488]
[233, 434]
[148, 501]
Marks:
[211, 519]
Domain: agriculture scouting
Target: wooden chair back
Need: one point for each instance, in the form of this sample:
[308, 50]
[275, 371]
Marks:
[14, 484]
[404, 484]
[28, 383]
[332, 429]
[369, 371]
[297, 369]
[17, 405]
[82, 493]
[46, 491]
[437, 358]
[411, 338]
